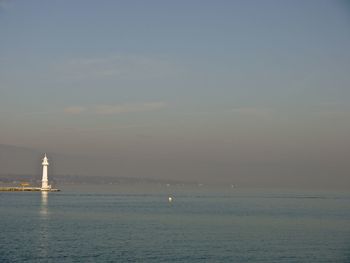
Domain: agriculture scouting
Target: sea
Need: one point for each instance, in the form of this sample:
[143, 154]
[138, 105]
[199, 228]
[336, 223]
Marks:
[128, 223]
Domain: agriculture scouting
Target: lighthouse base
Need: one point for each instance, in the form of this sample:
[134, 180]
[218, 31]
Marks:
[49, 190]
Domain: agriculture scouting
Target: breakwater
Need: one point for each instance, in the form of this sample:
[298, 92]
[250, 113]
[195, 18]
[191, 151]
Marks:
[25, 189]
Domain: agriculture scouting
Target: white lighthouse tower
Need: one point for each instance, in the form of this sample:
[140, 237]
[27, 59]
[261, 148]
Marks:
[44, 182]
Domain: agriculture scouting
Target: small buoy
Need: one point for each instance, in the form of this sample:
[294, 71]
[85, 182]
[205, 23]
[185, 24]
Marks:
[170, 199]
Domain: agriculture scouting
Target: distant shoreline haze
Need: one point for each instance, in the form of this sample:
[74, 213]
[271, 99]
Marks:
[19, 163]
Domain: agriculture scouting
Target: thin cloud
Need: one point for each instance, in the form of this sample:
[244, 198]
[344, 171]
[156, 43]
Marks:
[334, 113]
[251, 111]
[74, 110]
[118, 66]
[127, 108]
[115, 109]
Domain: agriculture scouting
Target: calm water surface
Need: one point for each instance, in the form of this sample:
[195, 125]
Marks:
[124, 224]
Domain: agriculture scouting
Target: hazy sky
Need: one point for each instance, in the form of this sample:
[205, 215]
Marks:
[202, 90]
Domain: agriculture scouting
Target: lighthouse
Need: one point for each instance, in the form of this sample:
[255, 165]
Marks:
[44, 182]
[45, 187]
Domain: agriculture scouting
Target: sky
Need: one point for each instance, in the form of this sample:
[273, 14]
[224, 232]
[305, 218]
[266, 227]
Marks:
[213, 91]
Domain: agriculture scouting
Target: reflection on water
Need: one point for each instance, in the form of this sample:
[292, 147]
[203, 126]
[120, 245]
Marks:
[44, 226]
[44, 200]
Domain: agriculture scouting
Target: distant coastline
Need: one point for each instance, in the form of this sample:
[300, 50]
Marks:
[8, 180]
[24, 189]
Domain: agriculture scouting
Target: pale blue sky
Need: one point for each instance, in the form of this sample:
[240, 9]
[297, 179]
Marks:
[229, 83]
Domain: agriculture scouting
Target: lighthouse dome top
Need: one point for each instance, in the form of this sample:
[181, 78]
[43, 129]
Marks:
[45, 160]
